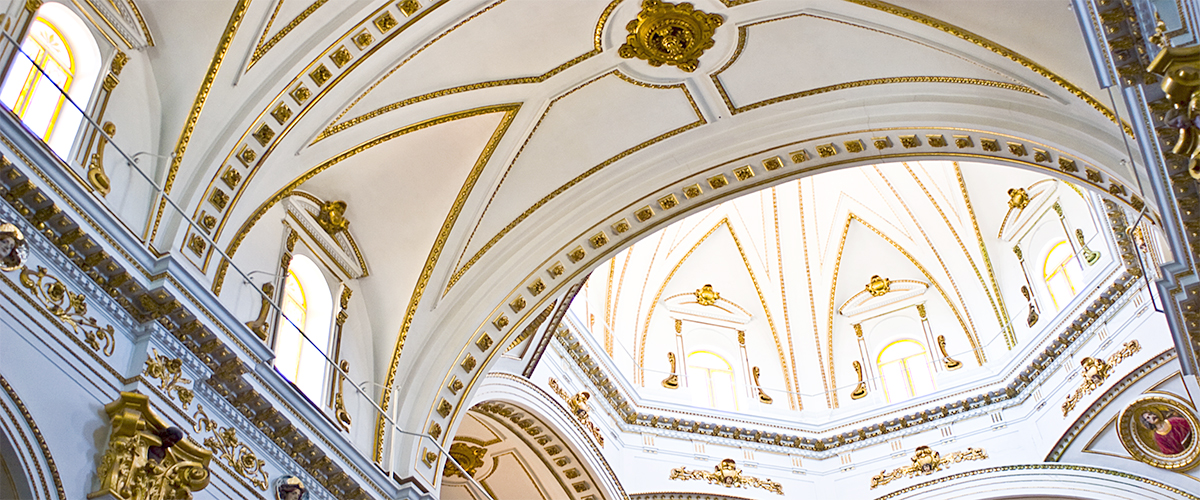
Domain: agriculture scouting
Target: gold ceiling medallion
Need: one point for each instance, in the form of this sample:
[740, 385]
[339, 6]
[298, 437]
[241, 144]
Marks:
[469, 457]
[879, 286]
[726, 473]
[674, 34]
[706, 296]
[925, 461]
[1096, 371]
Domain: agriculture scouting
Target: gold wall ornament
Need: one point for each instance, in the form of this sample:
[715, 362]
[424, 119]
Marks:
[332, 217]
[469, 457]
[145, 459]
[879, 286]
[860, 390]
[673, 34]
[925, 461]
[1090, 256]
[706, 296]
[672, 380]
[1018, 199]
[951, 363]
[261, 324]
[578, 406]
[1180, 69]
[225, 445]
[1160, 429]
[95, 172]
[341, 416]
[68, 307]
[762, 396]
[1096, 371]
[169, 373]
[727, 474]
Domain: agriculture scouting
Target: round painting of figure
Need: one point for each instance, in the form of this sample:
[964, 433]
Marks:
[1160, 429]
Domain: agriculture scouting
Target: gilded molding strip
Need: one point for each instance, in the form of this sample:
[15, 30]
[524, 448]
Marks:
[260, 49]
[580, 178]
[128, 44]
[794, 398]
[336, 127]
[141, 22]
[37, 436]
[837, 266]
[962, 186]
[998, 49]
[185, 136]
[812, 305]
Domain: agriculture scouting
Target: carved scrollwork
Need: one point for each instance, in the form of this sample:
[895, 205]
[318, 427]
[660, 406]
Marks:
[169, 373]
[727, 474]
[1096, 371]
[925, 461]
[68, 307]
[147, 460]
[225, 445]
[579, 408]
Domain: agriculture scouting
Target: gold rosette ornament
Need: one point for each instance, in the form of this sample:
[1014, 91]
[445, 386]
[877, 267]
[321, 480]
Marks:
[665, 33]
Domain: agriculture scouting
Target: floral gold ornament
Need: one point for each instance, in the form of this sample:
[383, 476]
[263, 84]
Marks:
[145, 459]
[169, 373]
[69, 307]
[672, 34]
[706, 296]
[1018, 199]
[469, 457]
[727, 474]
[1160, 429]
[925, 461]
[672, 380]
[578, 405]
[877, 287]
[332, 217]
[225, 445]
[1096, 371]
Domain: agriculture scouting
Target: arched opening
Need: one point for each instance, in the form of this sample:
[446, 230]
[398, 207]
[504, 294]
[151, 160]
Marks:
[904, 368]
[1062, 273]
[711, 380]
[59, 53]
[306, 307]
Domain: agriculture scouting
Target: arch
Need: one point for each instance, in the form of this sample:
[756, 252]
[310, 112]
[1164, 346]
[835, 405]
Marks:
[904, 368]
[1041, 481]
[307, 307]
[1061, 273]
[712, 380]
[23, 451]
[62, 45]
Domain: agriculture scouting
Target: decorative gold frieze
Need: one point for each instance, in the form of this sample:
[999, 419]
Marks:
[990, 145]
[225, 445]
[1041, 156]
[672, 34]
[718, 181]
[706, 296]
[579, 409]
[231, 177]
[145, 459]
[1093, 175]
[668, 202]
[428, 457]
[218, 199]
[469, 457]
[727, 474]
[925, 461]
[772, 163]
[881, 142]
[1017, 149]
[963, 141]
[855, 146]
[320, 75]
[1067, 165]
[435, 430]
[246, 155]
[264, 134]
[1096, 371]
[484, 342]
[598, 240]
[500, 322]
[281, 113]
[454, 386]
[444, 408]
[332, 217]
[208, 221]
[408, 7]
[169, 373]
[644, 214]
[69, 307]
[468, 363]
[692, 191]
[556, 270]
[909, 141]
[620, 226]
[936, 140]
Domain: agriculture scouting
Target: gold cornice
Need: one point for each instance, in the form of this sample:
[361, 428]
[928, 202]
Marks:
[998, 49]
[336, 127]
[579, 178]
[37, 436]
[185, 136]
[261, 48]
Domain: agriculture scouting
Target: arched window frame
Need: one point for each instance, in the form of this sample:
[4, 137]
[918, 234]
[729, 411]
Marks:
[63, 126]
[703, 380]
[915, 367]
[1060, 272]
[296, 359]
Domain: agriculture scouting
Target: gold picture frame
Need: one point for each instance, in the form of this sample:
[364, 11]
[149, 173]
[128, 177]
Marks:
[1160, 429]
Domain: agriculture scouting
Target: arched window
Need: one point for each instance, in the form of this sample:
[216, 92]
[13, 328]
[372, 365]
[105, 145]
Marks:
[905, 370]
[711, 380]
[61, 45]
[306, 305]
[1062, 274]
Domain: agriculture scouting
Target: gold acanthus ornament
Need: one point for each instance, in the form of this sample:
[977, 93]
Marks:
[726, 473]
[578, 405]
[925, 461]
[146, 459]
[1096, 371]
[469, 457]
[332, 217]
[169, 373]
[706, 296]
[878, 286]
[1180, 69]
[673, 34]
